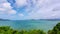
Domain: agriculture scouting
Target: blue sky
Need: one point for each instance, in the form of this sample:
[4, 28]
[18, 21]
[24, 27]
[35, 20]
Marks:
[29, 9]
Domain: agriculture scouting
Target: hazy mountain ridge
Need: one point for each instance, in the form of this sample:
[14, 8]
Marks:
[31, 19]
[4, 20]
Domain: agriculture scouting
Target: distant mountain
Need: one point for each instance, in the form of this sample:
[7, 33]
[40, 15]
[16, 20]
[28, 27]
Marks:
[51, 19]
[40, 19]
[46, 19]
[31, 19]
[4, 20]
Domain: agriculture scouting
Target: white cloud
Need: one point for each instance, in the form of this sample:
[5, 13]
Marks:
[6, 8]
[20, 3]
[21, 15]
[40, 8]
[6, 5]
[11, 12]
[36, 9]
[45, 9]
[2, 9]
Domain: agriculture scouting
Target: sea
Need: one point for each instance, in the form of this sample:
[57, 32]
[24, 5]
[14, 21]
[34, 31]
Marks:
[30, 24]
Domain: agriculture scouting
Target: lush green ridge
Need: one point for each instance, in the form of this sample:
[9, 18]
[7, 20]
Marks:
[8, 30]
[55, 30]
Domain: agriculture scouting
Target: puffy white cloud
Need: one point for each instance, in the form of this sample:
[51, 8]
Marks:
[6, 8]
[35, 9]
[21, 14]
[6, 5]
[45, 9]
[2, 9]
[11, 12]
[20, 3]
[40, 9]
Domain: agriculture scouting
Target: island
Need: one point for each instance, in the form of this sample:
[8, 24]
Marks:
[4, 20]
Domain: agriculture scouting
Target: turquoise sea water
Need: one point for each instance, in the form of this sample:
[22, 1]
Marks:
[30, 24]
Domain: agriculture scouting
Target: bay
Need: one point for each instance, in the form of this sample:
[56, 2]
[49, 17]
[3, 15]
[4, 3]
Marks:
[30, 24]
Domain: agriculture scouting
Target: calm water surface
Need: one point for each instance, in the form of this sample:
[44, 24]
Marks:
[27, 25]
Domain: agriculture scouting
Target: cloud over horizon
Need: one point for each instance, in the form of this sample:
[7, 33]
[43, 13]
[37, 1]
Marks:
[30, 9]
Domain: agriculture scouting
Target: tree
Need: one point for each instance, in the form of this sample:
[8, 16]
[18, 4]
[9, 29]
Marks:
[8, 30]
[55, 30]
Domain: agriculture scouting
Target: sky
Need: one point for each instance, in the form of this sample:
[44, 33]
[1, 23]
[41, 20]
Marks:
[29, 9]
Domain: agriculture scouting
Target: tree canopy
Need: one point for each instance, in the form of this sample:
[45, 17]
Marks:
[8, 30]
[55, 30]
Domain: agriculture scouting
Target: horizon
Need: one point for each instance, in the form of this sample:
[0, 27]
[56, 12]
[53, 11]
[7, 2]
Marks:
[32, 19]
[29, 9]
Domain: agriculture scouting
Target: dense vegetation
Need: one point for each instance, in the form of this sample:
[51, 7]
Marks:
[8, 30]
[55, 30]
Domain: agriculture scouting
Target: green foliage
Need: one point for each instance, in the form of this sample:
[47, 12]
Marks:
[36, 32]
[55, 30]
[8, 30]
